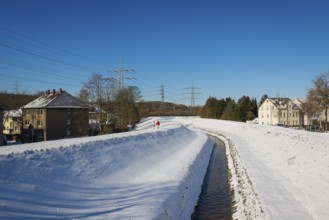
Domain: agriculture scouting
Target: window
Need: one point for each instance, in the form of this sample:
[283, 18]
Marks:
[68, 110]
[68, 132]
[40, 111]
[39, 123]
[26, 123]
[68, 121]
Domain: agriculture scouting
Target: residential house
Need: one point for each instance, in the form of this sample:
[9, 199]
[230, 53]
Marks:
[280, 111]
[12, 124]
[55, 115]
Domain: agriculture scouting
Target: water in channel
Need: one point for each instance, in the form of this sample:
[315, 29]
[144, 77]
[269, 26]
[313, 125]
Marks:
[214, 201]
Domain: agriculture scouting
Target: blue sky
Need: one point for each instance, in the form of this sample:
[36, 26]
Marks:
[222, 48]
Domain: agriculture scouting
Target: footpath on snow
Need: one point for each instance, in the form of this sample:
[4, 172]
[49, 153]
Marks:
[277, 173]
[146, 174]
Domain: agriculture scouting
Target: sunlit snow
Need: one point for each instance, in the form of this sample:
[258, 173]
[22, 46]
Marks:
[156, 173]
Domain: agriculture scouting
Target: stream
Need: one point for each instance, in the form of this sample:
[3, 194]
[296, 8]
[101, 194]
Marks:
[214, 201]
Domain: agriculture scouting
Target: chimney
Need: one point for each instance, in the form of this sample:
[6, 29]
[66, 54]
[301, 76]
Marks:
[60, 91]
[54, 91]
[48, 92]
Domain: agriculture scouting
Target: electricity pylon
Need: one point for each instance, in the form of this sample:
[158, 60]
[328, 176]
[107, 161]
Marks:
[192, 91]
[162, 96]
[121, 77]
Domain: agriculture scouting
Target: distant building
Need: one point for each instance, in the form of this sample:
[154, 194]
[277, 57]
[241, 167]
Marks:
[12, 124]
[55, 115]
[280, 111]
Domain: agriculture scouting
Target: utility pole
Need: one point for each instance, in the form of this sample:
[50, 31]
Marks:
[192, 93]
[121, 77]
[162, 96]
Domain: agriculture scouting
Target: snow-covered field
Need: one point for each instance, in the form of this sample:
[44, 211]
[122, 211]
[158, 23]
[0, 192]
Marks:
[277, 173]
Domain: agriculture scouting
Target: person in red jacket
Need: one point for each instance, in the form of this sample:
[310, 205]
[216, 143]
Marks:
[157, 124]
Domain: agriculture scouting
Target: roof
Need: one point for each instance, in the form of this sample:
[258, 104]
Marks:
[59, 99]
[13, 113]
[282, 102]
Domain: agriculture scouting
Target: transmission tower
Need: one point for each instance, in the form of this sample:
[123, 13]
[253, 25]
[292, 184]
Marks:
[192, 92]
[16, 87]
[121, 77]
[162, 96]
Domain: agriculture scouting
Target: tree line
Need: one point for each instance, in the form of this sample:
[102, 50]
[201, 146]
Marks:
[228, 109]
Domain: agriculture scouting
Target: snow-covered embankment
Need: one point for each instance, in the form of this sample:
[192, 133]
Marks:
[145, 174]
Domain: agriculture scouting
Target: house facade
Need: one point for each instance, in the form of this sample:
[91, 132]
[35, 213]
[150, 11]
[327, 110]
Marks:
[275, 111]
[12, 124]
[55, 115]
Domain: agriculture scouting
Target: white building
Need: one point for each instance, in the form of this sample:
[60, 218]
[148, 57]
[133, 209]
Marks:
[274, 111]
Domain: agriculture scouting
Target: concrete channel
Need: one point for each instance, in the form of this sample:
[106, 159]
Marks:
[214, 201]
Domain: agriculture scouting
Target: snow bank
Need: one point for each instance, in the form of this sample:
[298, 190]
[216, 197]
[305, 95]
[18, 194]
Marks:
[277, 173]
[144, 174]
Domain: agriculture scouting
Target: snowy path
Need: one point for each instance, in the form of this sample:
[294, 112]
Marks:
[278, 173]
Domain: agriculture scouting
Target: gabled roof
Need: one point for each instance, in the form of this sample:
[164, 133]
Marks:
[282, 102]
[59, 99]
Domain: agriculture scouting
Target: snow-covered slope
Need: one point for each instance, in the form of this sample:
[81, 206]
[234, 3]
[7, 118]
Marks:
[145, 174]
[150, 173]
[278, 173]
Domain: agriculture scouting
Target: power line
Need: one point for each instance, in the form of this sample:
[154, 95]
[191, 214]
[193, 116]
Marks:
[49, 46]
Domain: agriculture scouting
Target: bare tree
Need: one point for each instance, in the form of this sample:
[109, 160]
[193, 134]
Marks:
[310, 106]
[319, 95]
[99, 91]
[125, 106]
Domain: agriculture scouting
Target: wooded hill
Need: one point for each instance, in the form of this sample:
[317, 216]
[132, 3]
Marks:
[10, 101]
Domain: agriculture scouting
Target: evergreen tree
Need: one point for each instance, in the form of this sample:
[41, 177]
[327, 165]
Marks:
[264, 97]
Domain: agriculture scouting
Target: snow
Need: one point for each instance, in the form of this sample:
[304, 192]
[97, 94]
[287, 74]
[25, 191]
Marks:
[146, 174]
[156, 173]
[278, 173]
[59, 99]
